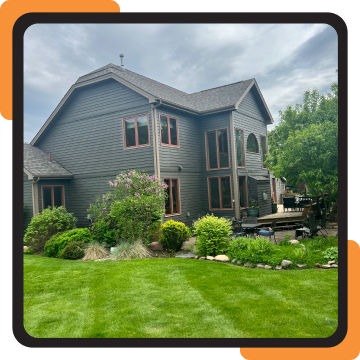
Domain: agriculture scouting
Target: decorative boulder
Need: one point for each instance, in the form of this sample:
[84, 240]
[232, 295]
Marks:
[260, 266]
[25, 247]
[293, 241]
[210, 258]
[238, 263]
[222, 258]
[331, 262]
[267, 267]
[334, 265]
[326, 266]
[278, 268]
[247, 264]
[233, 261]
[301, 265]
[318, 265]
[155, 246]
[286, 263]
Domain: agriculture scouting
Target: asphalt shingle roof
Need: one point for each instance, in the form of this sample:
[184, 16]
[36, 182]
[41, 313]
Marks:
[37, 163]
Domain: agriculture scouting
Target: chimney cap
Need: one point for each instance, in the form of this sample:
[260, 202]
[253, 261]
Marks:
[121, 55]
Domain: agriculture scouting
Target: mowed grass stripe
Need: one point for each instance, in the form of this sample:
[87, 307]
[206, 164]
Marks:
[175, 298]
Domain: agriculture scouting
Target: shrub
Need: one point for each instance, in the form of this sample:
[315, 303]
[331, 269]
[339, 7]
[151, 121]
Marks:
[212, 235]
[46, 224]
[95, 251]
[28, 251]
[134, 207]
[331, 254]
[130, 251]
[102, 231]
[173, 235]
[57, 243]
[74, 250]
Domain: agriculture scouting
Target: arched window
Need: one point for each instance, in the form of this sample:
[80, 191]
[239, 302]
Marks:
[252, 144]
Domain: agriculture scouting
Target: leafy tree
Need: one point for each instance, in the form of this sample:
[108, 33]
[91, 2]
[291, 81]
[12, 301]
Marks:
[303, 148]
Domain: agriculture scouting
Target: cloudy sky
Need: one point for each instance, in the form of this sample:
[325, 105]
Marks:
[285, 59]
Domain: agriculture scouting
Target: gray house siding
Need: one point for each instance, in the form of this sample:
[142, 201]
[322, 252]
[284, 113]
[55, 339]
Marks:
[28, 212]
[87, 138]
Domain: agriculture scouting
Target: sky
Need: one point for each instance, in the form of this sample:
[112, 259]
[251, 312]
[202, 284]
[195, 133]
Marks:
[285, 59]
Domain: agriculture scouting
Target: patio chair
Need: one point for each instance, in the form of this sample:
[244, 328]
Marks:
[322, 223]
[289, 203]
[313, 228]
[237, 229]
[269, 233]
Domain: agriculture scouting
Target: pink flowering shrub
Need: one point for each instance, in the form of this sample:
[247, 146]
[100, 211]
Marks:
[132, 210]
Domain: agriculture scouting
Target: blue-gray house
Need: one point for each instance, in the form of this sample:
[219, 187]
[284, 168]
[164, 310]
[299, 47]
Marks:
[208, 146]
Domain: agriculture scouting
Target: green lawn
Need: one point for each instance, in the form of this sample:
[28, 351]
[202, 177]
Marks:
[175, 298]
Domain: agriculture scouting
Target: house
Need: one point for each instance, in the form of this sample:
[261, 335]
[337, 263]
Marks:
[208, 146]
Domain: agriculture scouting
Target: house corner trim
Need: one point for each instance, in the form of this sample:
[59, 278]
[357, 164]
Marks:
[234, 167]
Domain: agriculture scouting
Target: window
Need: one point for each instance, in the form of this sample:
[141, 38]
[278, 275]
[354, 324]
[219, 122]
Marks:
[220, 193]
[252, 144]
[172, 205]
[217, 149]
[240, 150]
[263, 149]
[243, 192]
[169, 131]
[52, 196]
[136, 131]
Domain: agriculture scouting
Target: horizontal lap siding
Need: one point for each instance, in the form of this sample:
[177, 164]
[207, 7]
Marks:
[28, 212]
[87, 139]
[214, 122]
[263, 186]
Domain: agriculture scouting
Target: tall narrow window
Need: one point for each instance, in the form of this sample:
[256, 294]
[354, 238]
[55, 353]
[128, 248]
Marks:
[172, 205]
[263, 150]
[220, 197]
[136, 131]
[252, 144]
[240, 150]
[217, 149]
[169, 131]
[52, 196]
[243, 191]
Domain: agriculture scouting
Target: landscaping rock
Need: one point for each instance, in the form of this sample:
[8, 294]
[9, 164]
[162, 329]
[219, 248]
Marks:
[202, 258]
[278, 268]
[334, 265]
[286, 263]
[293, 241]
[318, 265]
[156, 246]
[260, 266]
[301, 265]
[25, 247]
[210, 258]
[222, 258]
[331, 262]
[196, 257]
[186, 256]
[267, 267]
[233, 261]
[247, 264]
[326, 266]
[238, 263]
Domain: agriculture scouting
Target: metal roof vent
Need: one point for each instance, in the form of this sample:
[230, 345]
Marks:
[122, 60]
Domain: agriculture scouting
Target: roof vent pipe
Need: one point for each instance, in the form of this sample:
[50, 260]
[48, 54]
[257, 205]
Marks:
[49, 157]
[122, 59]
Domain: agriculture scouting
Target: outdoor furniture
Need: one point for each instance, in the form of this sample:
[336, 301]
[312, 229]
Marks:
[289, 203]
[250, 225]
[308, 231]
[269, 233]
[237, 229]
[303, 200]
[322, 223]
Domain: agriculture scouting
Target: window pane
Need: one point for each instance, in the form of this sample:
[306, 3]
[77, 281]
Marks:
[47, 197]
[164, 130]
[226, 192]
[252, 145]
[130, 132]
[173, 132]
[214, 193]
[142, 127]
[223, 148]
[263, 149]
[168, 202]
[242, 191]
[211, 142]
[57, 196]
[175, 199]
[240, 147]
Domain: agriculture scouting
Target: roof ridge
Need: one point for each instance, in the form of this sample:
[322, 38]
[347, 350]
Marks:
[217, 87]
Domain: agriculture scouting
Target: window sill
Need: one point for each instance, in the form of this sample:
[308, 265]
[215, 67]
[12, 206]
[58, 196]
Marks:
[170, 215]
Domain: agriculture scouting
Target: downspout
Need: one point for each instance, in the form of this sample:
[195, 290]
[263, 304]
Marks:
[234, 167]
[155, 139]
[35, 197]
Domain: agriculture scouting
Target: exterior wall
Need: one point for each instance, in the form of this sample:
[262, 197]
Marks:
[280, 187]
[87, 139]
[28, 212]
[188, 156]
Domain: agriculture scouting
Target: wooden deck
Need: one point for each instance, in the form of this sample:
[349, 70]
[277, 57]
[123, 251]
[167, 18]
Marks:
[289, 217]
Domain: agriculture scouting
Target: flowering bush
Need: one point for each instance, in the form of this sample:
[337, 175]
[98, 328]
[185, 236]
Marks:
[133, 207]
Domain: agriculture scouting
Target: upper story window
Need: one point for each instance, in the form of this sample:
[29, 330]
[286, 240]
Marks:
[217, 149]
[169, 131]
[172, 205]
[240, 148]
[263, 149]
[52, 196]
[136, 131]
[252, 144]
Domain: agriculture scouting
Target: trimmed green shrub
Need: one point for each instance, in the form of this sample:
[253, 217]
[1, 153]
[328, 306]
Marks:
[173, 235]
[44, 225]
[28, 251]
[130, 251]
[102, 231]
[57, 243]
[74, 250]
[212, 235]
